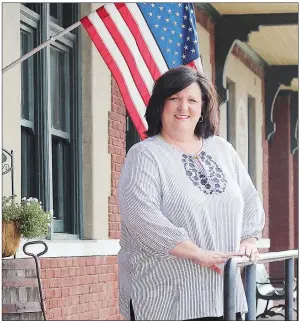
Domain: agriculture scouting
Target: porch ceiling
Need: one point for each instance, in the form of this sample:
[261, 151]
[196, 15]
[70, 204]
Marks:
[277, 45]
[238, 8]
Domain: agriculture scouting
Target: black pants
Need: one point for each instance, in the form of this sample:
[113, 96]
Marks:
[220, 318]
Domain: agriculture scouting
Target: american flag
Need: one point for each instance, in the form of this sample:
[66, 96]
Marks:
[141, 41]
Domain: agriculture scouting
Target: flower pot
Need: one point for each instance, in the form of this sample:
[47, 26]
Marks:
[11, 238]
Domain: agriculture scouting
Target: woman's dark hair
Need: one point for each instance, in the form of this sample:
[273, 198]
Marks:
[173, 81]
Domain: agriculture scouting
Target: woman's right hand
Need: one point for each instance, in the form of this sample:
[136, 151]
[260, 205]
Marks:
[210, 258]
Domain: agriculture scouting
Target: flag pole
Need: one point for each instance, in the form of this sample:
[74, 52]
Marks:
[37, 49]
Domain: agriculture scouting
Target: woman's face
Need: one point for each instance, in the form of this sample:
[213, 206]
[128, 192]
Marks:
[182, 111]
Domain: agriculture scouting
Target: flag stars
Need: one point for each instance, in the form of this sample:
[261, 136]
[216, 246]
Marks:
[188, 38]
[168, 50]
[150, 14]
[158, 17]
[183, 56]
[175, 53]
[174, 62]
[175, 23]
[190, 29]
[152, 5]
[167, 19]
[169, 11]
[193, 51]
[172, 32]
[195, 41]
[182, 26]
[185, 17]
[161, 8]
[165, 29]
[186, 7]
[177, 14]
[170, 41]
[180, 35]
[192, 11]
[186, 47]
[179, 4]
[162, 38]
[156, 25]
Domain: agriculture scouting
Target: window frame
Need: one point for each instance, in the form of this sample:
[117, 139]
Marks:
[46, 27]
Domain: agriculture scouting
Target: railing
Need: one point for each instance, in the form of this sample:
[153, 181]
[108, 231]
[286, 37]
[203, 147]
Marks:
[250, 288]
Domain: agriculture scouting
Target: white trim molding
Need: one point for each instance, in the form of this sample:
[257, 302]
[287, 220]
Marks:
[73, 248]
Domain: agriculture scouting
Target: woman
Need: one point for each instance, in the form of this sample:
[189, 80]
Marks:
[187, 204]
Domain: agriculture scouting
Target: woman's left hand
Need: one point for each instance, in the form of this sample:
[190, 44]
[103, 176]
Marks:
[248, 247]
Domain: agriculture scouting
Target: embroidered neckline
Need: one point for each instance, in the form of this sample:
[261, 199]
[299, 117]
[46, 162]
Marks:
[205, 173]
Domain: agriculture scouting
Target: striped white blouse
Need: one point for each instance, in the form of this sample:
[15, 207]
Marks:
[165, 197]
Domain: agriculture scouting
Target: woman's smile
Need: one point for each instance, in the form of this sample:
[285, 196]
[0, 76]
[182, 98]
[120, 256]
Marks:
[181, 117]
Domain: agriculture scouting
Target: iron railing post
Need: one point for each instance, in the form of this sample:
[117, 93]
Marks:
[229, 290]
[289, 286]
[250, 272]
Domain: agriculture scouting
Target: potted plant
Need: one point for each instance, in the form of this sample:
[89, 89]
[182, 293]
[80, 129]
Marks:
[25, 219]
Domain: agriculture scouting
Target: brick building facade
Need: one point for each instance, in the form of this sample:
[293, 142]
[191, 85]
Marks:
[81, 282]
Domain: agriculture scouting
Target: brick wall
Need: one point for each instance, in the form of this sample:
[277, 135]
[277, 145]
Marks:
[80, 288]
[265, 171]
[296, 201]
[117, 149]
[248, 61]
[281, 183]
[207, 24]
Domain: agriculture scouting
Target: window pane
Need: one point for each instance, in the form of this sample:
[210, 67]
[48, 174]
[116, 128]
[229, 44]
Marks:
[27, 85]
[132, 136]
[54, 10]
[31, 6]
[28, 164]
[59, 78]
[61, 172]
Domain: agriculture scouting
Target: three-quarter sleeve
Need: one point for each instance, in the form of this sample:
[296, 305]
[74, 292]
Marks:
[139, 197]
[253, 215]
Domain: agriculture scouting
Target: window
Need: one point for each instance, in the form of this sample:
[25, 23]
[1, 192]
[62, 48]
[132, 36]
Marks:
[132, 136]
[51, 114]
[251, 139]
[230, 113]
[28, 134]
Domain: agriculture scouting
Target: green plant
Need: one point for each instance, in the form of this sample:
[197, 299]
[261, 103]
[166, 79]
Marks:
[29, 216]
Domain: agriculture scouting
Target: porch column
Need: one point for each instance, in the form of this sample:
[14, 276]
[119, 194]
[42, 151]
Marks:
[281, 183]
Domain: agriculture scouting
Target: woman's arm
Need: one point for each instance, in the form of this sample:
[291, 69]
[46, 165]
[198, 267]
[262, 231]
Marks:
[139, 197]
[189, 250]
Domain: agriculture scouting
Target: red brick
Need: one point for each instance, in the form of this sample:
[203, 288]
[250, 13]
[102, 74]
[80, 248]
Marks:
[61, 262]
[69, 262]
[44, 263]
[281, 181]
[52, 262]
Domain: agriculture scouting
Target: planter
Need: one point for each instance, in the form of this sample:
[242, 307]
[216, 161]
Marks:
[11, 238]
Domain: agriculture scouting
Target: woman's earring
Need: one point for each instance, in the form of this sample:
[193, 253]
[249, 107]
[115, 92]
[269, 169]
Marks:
[201, 119]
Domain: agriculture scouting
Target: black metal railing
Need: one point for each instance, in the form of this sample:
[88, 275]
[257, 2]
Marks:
[250, 288]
